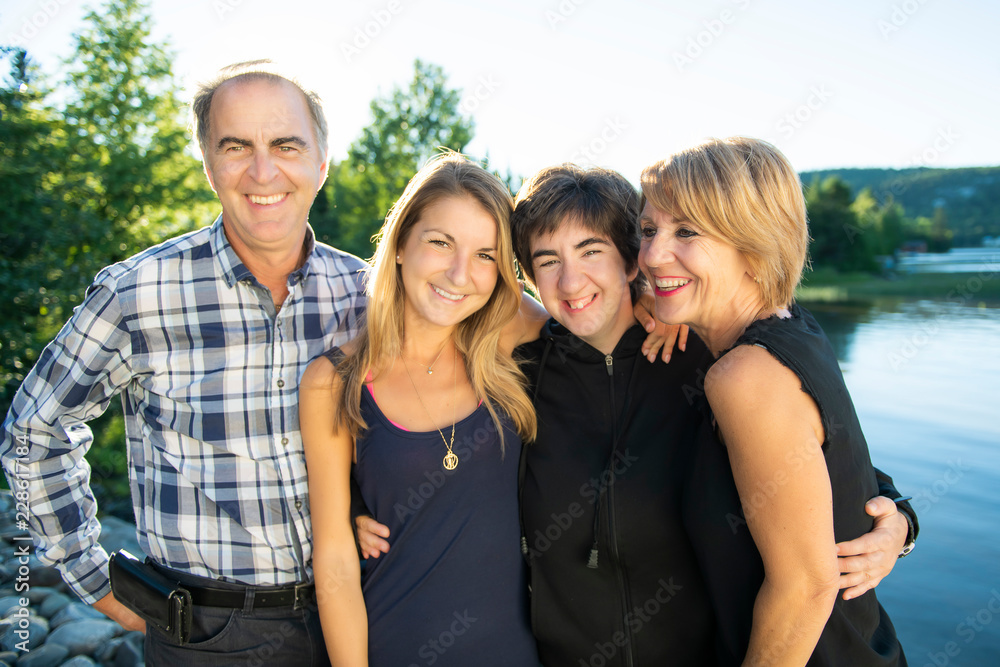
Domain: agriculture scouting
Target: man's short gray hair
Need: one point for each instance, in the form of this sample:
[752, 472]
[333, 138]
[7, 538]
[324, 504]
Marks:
[253, 70]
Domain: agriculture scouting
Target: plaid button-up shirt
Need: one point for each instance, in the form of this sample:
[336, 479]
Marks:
[209, 373]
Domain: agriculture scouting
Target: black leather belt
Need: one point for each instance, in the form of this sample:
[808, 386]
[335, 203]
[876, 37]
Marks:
[296, 595]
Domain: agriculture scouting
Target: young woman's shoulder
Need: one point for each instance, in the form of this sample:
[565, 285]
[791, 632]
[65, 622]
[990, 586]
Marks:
[321, 373]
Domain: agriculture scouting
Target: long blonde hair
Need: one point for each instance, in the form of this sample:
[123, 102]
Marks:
[494, 376]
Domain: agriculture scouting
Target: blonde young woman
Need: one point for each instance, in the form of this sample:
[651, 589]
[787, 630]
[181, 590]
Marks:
[429, 407]
[724, 240]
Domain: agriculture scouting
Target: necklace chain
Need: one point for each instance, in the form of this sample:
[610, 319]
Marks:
[450, 460]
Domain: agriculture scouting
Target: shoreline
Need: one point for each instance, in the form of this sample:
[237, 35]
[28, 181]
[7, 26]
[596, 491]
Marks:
[980, 288]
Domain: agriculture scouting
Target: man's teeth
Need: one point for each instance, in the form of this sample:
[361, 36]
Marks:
[580, 303]
[671, 283]
[264, 201]
[449, 295]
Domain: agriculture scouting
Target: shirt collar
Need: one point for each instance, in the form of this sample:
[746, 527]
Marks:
[233, 268]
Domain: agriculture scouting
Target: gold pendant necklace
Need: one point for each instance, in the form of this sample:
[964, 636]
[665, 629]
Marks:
[450, 461]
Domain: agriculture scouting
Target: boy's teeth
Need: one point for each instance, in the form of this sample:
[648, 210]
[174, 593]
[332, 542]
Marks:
[671, 282]
[448, 295]
[264, 201]
[580, 303]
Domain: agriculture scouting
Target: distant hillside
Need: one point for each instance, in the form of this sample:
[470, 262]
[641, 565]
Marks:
[969, 196]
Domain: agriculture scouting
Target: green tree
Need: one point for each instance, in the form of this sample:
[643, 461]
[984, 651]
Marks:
[33, 150]
[408, 126]
[87, 184]
[838, 239]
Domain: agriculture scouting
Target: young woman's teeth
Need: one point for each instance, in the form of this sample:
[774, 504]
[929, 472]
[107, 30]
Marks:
[448, 295]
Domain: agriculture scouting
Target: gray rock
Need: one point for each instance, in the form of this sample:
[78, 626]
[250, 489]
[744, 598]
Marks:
[38, 594]
[117, 534]
[46, 655]
[79, 661]
[8, 604]
[53, 604]
[106, 654]
[131, 653]
[76, 611]
[85, 637]
[12, 635]
[44, 576]
[9, 656]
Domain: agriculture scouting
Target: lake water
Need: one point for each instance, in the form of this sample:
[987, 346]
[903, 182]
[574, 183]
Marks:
[925, 378]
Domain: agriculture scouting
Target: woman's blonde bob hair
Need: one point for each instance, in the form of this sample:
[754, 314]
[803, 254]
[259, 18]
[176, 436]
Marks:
[494, 376]
[744, 192]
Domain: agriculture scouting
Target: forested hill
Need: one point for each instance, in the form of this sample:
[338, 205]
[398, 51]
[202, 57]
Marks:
[969, 196]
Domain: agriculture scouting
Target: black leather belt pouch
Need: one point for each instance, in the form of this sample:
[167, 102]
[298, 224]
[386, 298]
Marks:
[145, 590]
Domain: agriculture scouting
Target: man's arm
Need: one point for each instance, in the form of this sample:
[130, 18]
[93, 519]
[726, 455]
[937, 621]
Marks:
[44, 437]
[868, 559]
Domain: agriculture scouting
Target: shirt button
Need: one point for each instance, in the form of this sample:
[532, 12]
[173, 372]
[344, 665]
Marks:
[298, 504]
[246, 282]
[284, 441]
[281, 383]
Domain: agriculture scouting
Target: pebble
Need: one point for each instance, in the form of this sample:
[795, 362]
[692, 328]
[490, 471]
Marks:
[62, 630]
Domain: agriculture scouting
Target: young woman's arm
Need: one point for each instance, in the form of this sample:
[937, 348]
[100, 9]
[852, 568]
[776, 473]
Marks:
[329, 452]
[773, 434]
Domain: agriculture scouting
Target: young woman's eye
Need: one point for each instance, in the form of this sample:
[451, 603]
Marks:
[487, 256]
[441, 243]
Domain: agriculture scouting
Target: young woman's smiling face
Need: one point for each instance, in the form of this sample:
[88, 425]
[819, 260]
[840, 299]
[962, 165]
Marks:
[448, 262]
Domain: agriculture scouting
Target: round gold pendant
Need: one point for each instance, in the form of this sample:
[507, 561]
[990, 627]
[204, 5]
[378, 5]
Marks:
[450, 461]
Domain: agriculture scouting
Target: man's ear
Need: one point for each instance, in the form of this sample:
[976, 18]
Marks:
[326, 169]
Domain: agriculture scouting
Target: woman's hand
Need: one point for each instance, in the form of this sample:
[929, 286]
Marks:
[867, 560]
[660, 335]
[372, 537]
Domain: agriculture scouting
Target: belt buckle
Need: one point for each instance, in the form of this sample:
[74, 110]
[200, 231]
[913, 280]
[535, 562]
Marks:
[302, 595]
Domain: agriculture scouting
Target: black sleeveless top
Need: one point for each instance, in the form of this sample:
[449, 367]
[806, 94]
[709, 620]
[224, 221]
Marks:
[859, 631]
[452, 591]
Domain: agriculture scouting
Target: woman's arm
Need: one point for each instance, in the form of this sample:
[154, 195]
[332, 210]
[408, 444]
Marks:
[329, 452]
[773, 434]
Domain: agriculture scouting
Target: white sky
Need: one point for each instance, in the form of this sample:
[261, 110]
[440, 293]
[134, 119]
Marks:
[856, 83]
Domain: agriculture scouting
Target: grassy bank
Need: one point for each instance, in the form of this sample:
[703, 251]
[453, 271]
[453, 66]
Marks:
[967, 288]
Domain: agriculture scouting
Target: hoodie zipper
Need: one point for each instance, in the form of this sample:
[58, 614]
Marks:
[612, 532]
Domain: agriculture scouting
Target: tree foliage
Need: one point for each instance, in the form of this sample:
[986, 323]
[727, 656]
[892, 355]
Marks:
[408, 127]
[87, 182]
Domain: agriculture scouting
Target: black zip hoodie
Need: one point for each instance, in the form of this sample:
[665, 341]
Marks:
[614, 577]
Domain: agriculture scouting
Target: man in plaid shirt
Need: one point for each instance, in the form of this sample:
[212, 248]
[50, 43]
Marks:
[205, 337]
